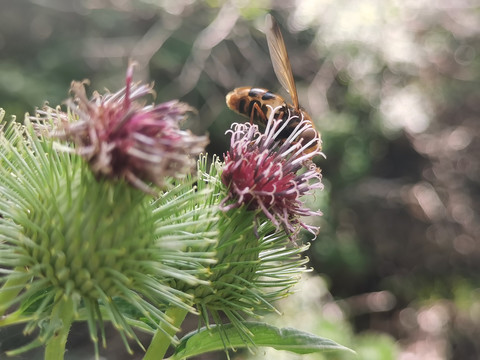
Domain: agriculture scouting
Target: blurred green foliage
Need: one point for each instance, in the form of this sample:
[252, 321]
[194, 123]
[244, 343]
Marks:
[394, 89]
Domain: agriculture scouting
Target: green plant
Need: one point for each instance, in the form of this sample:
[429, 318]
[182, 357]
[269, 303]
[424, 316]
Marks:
[104, 218]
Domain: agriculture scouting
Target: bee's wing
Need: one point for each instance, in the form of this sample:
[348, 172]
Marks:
[278, 53]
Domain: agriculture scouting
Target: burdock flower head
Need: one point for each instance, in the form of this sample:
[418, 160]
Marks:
[263, 171]
[74, 245]
[123, 138]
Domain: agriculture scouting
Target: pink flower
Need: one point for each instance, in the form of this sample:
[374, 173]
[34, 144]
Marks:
[122, 138]
[264, 172]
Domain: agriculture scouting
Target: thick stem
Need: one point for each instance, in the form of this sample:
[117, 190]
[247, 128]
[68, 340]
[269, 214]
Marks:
[63, 314]
[162, 339]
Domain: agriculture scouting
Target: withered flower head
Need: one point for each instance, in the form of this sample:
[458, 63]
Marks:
[122, 138]
[264, 172]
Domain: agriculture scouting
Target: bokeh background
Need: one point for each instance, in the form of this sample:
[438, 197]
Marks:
[393, 85]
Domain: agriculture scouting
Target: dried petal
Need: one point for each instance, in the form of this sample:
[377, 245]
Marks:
[122, 138]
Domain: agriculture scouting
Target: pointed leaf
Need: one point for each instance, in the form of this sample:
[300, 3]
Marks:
[300, 342]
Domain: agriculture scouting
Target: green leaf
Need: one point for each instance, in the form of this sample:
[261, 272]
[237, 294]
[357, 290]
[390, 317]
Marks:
[215, 338]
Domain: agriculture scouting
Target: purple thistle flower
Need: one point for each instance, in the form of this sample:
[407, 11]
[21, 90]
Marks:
[264, 172]
[121, 137]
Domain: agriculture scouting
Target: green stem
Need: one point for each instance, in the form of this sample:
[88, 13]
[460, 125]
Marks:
[63, 314]
[162, 339]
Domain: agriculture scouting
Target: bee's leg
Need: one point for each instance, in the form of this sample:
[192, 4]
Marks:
[280, 114]
[259, 112]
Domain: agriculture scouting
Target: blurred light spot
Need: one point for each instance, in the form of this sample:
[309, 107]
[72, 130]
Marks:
[436, 47]
[398, 46]
[464, 54]
[359, 22]
[176, 7]
[428, 349]
[433, 319]
[363, 65]
[125, 5]
[428, 199]
[408, 318]
[459, 139]
[368, 303]
[332, 312]
[464, 244]
[312, 288]
[381, 301]
[407, 108]
[308, 12]
[462, 213]
[218, 29]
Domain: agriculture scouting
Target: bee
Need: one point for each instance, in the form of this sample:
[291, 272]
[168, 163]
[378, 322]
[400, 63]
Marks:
[252, 102]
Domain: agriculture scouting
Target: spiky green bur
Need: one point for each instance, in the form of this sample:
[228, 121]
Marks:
[255, 263]
[69, 238]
